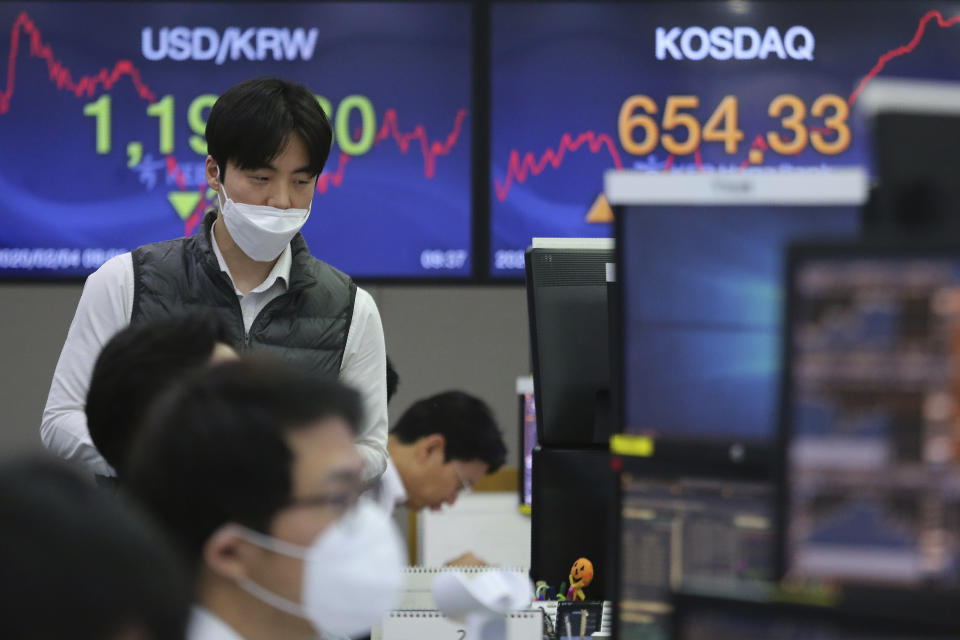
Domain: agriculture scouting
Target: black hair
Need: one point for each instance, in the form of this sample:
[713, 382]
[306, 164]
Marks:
[213, 449]
[135, 366]
[465, 421]
[251, 124]
[81, 563]
[393, 379]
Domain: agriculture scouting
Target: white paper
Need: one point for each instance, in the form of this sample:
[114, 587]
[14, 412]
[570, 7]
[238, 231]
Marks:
[430, 625]
[491, 593]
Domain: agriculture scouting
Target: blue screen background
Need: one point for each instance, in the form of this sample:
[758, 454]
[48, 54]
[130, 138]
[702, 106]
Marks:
[703, 295]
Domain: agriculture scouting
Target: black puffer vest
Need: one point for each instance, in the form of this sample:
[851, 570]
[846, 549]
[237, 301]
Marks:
[308, 324]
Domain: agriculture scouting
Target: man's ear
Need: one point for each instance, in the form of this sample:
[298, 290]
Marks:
[431, 446]
[212, 173]
[227, 554]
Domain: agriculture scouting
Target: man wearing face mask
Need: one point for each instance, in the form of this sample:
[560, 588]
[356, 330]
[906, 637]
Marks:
[268, 141]
[251, 468]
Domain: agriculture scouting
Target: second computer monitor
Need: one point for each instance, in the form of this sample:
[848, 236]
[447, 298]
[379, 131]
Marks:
[569, 339]
[871, 414]
[699, 260]
[528, 440]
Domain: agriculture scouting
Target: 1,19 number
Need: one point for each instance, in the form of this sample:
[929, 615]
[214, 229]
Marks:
[164, 111]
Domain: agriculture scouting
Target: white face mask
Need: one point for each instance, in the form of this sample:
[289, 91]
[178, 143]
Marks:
[261, 232]
[352, 572]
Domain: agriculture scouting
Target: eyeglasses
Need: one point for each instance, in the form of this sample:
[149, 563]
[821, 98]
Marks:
[465, 486]
[338, 502]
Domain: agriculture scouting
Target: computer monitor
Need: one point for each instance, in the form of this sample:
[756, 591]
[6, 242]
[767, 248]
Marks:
[871, 414]
[121, 91]
[569, 339]
[701, 617]
[577, 88]
[708, 526]
[528, 440]
[573, 516]
[699, 271]
[915, 125]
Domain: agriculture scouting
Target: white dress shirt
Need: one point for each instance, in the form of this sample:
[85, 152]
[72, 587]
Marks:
[106, 306]
[204, 625]
[391, 492]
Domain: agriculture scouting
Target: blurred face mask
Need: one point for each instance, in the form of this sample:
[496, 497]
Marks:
[261, 232]
[352, 572]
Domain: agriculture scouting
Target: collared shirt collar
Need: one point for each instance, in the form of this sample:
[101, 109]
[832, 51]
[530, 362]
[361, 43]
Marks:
[280, 271]
[392, 490]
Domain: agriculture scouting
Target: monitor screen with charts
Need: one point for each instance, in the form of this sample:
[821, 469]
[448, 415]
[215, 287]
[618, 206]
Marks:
[721, 618]
[871, 414]
[680, 530]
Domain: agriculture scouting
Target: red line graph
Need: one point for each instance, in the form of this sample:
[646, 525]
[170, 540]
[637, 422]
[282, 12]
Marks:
[173, 169]
[59, 74]
[519, 171]
[430, 150]
[905, 49]
[391, 128]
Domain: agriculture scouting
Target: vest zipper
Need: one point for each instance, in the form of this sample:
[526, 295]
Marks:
[253, 325]
[224, 283]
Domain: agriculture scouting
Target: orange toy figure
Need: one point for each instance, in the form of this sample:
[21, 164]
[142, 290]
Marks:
[581, 575]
